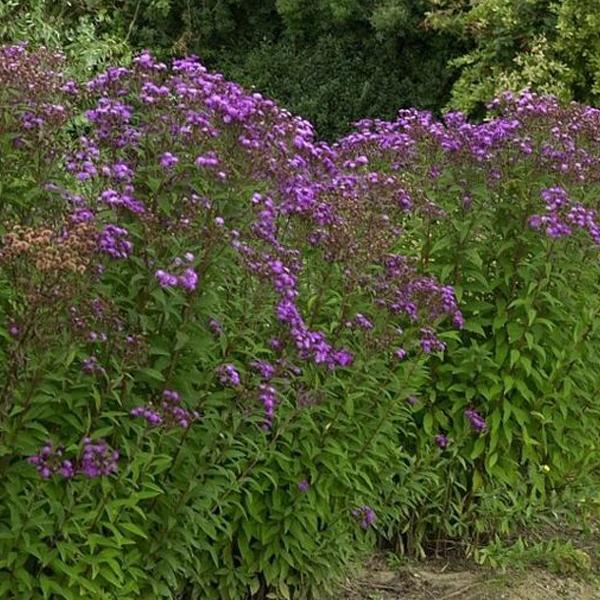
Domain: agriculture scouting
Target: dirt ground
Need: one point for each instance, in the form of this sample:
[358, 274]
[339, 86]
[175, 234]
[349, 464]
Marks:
[436, 581]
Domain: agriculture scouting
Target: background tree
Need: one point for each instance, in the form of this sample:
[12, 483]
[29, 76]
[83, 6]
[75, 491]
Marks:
[549, 46]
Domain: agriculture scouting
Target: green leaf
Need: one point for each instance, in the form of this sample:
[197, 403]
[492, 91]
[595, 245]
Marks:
[478, 448]
[133, 528]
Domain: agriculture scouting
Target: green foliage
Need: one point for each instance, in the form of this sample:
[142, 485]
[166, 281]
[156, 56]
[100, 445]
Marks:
[556, 555]
[528, 358]
[529, 349]
[549, 46]
[333, 62]
[85, 34]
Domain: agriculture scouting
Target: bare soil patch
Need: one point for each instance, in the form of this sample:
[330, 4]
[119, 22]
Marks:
[443, 581]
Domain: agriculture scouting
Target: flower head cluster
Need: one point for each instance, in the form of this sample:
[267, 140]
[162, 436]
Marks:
[442, 441]
[91, 366]
[563, 215]
[228, 375]
[169, 413]
[365, 515]
[96, 460]
[113, 241]
[268, 396]
[39, 98]
[303, 486]
[168, 160]
[49, 461]
[476, 421]
[187, 278]
[264, 368]
[430, 342]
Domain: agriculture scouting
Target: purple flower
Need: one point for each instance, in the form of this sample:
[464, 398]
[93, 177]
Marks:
[362, 321]
[475, 419]
[441, 440]
[215, 326]
[112, 242]
[342, 358]
[268, 396]
[400, 353]
[430, 342]
[276, 344]
[210, 159]
[228, 375]
[67, 469]
[366, 515]
[303, 486]
[189, 280]
[152, 417]
[168, 160]
[169, 413]
[48, 461]
[14, 330]
[81, 215]
[266, 369]
[165, 279]
[113, 198]
[91, 366]
[98, 459]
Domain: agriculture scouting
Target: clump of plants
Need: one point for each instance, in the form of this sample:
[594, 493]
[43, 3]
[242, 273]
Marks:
[507, 211]
[232, 353]
[209, 338]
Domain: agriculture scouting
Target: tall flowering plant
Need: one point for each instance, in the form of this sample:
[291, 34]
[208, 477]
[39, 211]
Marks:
[507, 210]
[210, 330]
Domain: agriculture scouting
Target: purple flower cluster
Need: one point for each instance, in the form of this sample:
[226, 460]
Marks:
[303, 486]
[169, 413]
[97, 460]
[476, 421]
[400, 353]
[111, 119]
[266, 369]
[124, 199]
[366, 515]
[39, 97]
[360, 321]
[49, 461]
[91, 366]
[442, 441]
[562, 215]
[14, 330]
[215, 326]
[113, 241]
[188, 280]
[430, 342]
[168, 160]
[229, 375]
[402, 290]
[311, 344]
[268, 397]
